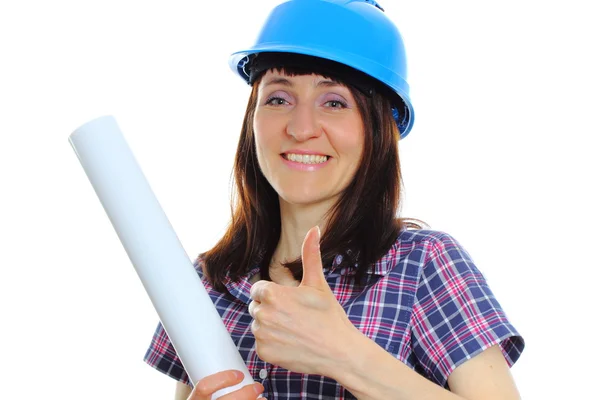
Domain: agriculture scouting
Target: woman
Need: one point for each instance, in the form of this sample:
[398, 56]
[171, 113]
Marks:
[376, 307]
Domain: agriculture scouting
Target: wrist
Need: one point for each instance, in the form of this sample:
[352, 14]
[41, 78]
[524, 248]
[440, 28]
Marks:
[359, 357]
[369, 372]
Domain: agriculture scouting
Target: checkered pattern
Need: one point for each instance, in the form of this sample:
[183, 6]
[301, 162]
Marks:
[425, 303]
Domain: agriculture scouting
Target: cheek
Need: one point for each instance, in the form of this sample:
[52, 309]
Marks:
[263, 131]
[259, 136]
[350, 141]
[358, 143]
[265, 143]
[260, 152]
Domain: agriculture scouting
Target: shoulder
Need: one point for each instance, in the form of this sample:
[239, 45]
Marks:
[422, 247]
[423, 238]
[426, 237]
[455, 314]
[200, 267]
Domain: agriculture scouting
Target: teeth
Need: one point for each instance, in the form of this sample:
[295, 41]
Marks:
[306, 158]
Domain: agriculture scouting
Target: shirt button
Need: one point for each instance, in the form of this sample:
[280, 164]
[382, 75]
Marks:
[263, 373]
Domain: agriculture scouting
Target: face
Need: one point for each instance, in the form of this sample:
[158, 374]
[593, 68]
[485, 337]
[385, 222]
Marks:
[309, 136]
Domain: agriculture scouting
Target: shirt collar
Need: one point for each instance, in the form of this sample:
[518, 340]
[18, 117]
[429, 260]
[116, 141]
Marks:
[241, 289]
[382, 267]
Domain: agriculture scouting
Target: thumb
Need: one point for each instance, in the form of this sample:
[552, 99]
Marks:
[311, 261]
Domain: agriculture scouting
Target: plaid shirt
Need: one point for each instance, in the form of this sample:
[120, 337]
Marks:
[425, 303]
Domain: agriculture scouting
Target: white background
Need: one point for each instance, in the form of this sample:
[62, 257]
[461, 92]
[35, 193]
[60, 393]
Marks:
[503, 156]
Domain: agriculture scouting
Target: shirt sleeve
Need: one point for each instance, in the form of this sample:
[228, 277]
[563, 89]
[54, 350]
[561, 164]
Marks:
[162, 356]
[455, 314]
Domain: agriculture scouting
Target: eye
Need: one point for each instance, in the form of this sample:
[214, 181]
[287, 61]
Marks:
[336, 104]
[276, 101]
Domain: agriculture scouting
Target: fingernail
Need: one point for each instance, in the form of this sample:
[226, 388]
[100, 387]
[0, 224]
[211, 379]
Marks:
[258, 388]
[237, 374]
[318, 232]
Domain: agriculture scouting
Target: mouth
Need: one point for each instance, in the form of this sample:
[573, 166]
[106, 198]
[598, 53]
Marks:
[308, 159]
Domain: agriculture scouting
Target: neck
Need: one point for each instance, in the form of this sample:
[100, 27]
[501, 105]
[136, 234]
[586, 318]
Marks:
[296, 221]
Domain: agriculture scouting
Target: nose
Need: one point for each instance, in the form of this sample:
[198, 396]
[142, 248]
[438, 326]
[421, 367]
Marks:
[303, 124]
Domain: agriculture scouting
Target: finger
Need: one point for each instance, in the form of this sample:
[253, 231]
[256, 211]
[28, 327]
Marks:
[254, 326]
[311, 261]
[253, 308]
[210, 384]
[248, 392]
[263, 291]
[256, 289]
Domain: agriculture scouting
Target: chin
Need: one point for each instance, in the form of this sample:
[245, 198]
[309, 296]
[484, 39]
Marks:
[303, 197]
[300, 201]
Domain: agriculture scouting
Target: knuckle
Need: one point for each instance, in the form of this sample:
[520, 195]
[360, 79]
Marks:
[202, 389]
[247, 392]
[255, 289]
[262, 332]
[264, 316]
[254, 327]
[256, 310]
[269, 292]
[261, 351]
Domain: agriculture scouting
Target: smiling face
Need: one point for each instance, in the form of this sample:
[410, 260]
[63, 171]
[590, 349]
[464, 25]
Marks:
[309, 136]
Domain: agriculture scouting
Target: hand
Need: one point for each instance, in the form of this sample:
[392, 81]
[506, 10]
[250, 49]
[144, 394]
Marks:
[303, 329]
[205, 387]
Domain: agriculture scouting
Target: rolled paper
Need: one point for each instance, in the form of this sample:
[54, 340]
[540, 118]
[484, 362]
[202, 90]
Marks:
[167, 273]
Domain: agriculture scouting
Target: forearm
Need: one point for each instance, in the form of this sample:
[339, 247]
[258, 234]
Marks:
[369, 372]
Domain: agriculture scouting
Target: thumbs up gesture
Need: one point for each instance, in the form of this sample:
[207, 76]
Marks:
[303, 329]
[311, 262]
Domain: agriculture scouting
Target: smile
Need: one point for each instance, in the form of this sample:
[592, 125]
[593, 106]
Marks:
[305, 158]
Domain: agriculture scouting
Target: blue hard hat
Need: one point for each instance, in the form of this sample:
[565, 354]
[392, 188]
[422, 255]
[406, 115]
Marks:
[356, 33]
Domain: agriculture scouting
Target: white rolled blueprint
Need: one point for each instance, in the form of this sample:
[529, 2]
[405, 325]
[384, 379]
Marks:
[175, 289]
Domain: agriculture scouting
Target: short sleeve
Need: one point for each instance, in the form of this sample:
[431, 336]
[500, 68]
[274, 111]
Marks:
[455, 314]
[162, 355]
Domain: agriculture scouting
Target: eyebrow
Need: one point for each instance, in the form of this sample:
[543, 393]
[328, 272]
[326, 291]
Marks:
[286, 82]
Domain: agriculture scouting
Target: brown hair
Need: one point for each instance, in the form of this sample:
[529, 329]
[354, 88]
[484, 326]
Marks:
[362, 225]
